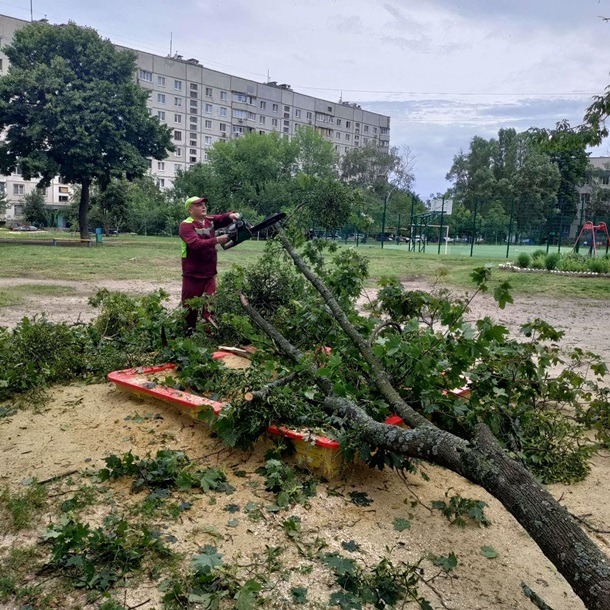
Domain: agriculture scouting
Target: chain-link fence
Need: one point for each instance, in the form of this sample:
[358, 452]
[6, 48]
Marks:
[558, 227]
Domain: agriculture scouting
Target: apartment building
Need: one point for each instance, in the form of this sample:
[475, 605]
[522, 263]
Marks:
[202, 106]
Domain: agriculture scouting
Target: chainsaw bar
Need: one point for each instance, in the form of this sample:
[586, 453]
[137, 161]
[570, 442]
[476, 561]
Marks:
[261, 226]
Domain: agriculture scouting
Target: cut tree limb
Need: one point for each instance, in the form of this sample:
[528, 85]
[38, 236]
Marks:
[481, 459]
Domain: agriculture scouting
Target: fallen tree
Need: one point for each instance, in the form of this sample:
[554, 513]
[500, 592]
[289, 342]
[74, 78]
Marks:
[479, 458]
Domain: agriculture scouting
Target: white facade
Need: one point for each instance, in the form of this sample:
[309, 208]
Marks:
[202, 106]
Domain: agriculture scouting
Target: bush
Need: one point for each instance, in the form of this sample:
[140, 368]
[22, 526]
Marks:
[538, 262]
[599, 265]
[538, 253]
[573, 262]
[551, 261]
[524, 260]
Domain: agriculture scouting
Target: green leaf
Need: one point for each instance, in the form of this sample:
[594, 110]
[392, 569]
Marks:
[207, 560]
[246, 596]
[341, 565]
[299, 595]
[360, 498]
[401, 524]
[489, 552]
[351, 546]
[446, 563]
[345, 600]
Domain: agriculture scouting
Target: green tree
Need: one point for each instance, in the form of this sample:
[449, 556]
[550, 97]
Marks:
[566, 147]
[71, 108]
[245, 172]
[380, 173]
[34, 209]
[316, 156]
[150, 211]
[110, 205]
[508, 170]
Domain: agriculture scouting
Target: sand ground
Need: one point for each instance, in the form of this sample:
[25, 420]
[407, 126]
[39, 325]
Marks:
[80, 425]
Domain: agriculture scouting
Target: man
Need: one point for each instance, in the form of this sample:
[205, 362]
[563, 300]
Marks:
[199, 257]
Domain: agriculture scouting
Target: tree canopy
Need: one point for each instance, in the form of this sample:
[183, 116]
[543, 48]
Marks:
[71, 108]
[507, 172]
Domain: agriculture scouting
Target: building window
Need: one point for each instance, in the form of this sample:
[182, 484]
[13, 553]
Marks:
[224, 96]
[348, 124]
[63, 198]
[161, 165]
[18, 189]
[178, 151]
[193, 104]
[177, 135]
[297, 113]
[223, 111]
[366, 129]
[177, 168]
[242, 98]
[63, 189]
[161, 115]
[193, 122]
[145, 75]
[263, 105]
[261, 119]
[309, 115]
[192, 142]
[194, 86]
[177, 118]
[161, 98]
[338, 135]
[178, 85]
[207, 140]
[347, 137]
[177, 101]
[223, 127]
[330, 108]
[274, 122]
[161, 182]
[208, 91]
[209, 108]
[240, 114]
[208, 124]
[286, 108]
[375, 130]
[286, 123]
[338, 122]
[286, 130]
[192, 159]
[275, 108]
[2, 187]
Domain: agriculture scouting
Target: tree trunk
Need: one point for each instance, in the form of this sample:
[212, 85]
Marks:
[480, 460]
[83, 209]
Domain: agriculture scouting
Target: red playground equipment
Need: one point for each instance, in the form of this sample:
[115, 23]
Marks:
[595, 229]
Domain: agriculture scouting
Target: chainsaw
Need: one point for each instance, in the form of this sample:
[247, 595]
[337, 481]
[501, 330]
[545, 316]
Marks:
[242, 230]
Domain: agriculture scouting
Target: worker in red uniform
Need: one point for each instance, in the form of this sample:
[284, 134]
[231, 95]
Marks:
[199, 257]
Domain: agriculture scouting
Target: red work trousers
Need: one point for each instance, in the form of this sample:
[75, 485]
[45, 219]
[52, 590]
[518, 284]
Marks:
[196, 287]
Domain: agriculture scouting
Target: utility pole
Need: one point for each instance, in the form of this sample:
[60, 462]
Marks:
[31, 11]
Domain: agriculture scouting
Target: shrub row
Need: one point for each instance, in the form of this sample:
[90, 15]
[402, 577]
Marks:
[555, 261]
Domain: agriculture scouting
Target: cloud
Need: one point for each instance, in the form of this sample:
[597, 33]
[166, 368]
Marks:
[346, 25]
[438, 129]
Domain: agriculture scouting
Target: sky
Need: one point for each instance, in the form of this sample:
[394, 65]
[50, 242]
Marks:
[443, 70]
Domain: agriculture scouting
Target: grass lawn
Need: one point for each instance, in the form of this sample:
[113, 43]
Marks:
[157, 259]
